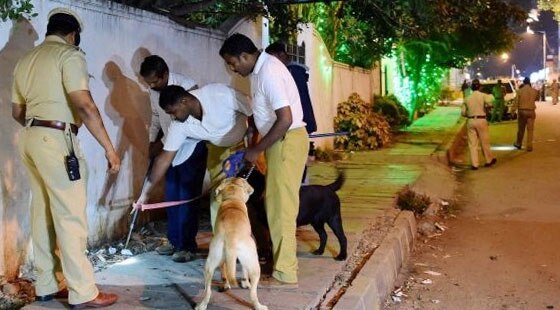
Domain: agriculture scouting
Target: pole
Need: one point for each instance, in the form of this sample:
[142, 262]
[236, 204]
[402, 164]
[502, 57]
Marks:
[544, 55]
[135, 211]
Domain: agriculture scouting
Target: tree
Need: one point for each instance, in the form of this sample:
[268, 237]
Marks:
[15, 9]
[550, 5]
[429, 37]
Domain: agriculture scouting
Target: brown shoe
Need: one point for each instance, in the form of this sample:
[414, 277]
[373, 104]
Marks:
[273, 283]
[102, 300]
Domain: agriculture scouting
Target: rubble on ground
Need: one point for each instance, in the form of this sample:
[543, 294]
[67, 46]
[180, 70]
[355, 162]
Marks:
[19, 292]
[430, 225]
[147, 239]
[16, 294]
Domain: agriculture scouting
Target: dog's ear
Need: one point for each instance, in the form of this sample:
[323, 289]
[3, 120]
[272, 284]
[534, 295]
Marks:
[247, 187]
[220, 188]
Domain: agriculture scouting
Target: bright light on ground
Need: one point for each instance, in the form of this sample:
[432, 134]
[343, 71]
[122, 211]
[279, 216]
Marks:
[128, 261]
[503, 148]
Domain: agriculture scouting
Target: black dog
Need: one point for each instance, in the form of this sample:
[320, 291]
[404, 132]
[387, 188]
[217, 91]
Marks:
[318, 204]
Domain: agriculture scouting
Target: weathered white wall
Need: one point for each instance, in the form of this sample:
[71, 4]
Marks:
[331, 82]
[116, 38]
[14, 189]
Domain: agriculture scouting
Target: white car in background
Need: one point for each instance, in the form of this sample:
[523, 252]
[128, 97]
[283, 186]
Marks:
[486, 87]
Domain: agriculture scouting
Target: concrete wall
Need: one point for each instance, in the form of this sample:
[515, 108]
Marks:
[331, 82]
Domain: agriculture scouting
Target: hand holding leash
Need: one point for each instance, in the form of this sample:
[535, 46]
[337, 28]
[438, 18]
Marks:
[251, 155]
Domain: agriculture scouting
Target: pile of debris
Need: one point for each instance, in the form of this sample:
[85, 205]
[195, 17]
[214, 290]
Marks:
[19, 292]
[16, 294]
[147, 239]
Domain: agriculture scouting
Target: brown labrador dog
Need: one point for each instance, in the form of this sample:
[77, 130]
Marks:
[232, 240]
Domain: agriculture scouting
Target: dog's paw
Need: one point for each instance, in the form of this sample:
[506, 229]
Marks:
[261, 307]
[245, 284]
[201, 306]
[224, 288]
[317, 252]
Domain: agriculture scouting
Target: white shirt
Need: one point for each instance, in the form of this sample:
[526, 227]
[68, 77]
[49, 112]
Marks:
[224, 120]
[273, 87]
[160, 119]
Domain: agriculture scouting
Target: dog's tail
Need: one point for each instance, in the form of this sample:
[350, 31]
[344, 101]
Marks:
[337, 184]
[231, 261]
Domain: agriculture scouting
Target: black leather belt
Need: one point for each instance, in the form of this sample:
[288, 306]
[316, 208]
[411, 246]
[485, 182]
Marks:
[477, 116]
[54, 124]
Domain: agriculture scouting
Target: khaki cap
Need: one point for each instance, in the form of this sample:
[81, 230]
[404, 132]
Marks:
[68, 12]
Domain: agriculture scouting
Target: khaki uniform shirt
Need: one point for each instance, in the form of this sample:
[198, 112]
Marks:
[44, 77]
[526, 97]
[475, 103]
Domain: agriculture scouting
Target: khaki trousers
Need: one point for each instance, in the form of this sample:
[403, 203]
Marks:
[58, 215]
[526, 119]
[477, 131]
[285, 161]
[216, 157]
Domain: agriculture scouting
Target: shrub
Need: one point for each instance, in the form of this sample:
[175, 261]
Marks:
[366, 129]
[390, 107]
[410, 200]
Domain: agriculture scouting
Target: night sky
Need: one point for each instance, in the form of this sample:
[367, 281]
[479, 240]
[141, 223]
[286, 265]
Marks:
[527, 55]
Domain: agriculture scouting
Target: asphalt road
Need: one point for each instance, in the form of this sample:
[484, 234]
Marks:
[502, 250]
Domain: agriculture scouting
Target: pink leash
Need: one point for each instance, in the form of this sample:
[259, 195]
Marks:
[158, 205]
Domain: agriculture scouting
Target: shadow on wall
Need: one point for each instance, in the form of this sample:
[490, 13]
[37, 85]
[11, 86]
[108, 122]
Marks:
[14, 202]
[128, 107]
[137, 58]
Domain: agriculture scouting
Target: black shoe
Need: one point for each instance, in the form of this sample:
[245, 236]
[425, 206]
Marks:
[474, 168]
[517, 146]
[491, 163]
[62, 294]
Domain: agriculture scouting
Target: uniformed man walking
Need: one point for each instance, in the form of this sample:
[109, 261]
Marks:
[524, 103]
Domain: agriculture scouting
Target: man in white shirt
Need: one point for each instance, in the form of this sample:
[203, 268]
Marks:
[184, 179]
[215, 113]
[278, 117]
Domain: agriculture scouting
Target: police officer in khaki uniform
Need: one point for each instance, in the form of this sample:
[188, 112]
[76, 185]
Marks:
[524, 103]
[51, 99]
[477, 127]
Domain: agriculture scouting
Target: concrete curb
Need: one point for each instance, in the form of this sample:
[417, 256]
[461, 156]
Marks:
[375, 281]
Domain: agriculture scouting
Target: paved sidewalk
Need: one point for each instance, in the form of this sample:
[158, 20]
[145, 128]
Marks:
[150, 281]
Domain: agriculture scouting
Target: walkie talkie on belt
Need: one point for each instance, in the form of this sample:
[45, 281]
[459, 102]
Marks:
[72, 162]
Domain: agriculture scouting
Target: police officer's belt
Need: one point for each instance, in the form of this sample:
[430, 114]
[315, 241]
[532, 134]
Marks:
[477, 116]
[54, 124]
